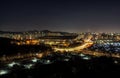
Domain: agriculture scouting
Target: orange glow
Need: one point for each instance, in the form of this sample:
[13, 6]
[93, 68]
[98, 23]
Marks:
[18, 43]
[39, 55]
[27, 42]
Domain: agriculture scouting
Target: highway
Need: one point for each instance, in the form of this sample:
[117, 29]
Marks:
[87, 43]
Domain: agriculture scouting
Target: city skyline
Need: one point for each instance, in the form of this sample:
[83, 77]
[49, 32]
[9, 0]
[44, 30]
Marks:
[60, 15]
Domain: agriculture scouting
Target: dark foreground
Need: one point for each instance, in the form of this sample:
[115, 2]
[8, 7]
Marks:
[74, 68]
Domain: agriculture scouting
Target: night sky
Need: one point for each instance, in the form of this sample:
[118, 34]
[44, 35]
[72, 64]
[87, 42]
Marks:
[60, 15]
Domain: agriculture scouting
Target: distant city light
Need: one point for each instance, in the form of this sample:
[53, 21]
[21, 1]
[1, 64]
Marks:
[34, 60]
[66, 59]
[45, 61]
[86, 58]
[82, 55]
[116, 62]
[3, 72]
[12, 64]
[28, 66]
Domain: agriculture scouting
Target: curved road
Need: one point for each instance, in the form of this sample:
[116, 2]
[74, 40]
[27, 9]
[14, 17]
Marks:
[87, 43]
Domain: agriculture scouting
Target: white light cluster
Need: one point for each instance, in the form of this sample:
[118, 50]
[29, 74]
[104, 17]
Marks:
[28, 66]
[86, 58]
[82, 55]
[3, 72]
[12, 64]
[34, 60]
